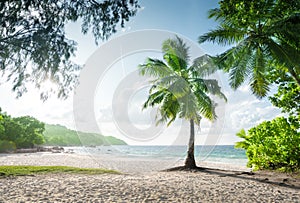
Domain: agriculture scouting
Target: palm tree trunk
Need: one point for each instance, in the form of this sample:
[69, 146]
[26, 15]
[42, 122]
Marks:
[190, 159]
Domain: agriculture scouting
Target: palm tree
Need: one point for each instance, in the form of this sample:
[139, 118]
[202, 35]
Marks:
[264, 35]
[179, 90]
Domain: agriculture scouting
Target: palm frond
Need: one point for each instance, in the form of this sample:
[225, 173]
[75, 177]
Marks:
[179, 88]
[225, 60]
[175, 53]
[283, 54]
[205, 105]
[237, 62]
[287, 57]
[189, 108]
[214, 88]
[216, 14]
[169, 109]
[155, 68]
[287, 29]
[154, 98]
[259, 84]
[223, 36]
[203, 66]
[237, 76]
[166, 82]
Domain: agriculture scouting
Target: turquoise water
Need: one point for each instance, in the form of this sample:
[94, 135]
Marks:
[217, 154]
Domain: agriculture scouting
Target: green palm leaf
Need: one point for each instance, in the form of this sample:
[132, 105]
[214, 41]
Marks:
[178, 90]
[223, 35]
[261, 33]
[155, 68]
[175, 53]
[203, 66]
[259, 84]
[214, 88]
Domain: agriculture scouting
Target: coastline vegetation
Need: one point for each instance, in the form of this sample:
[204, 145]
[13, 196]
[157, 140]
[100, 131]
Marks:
[265, 51]
[273, 145]
[27, 132]
[58, 135]
[21, 132]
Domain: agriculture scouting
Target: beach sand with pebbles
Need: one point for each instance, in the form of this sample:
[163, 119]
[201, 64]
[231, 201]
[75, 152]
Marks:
[142, 181]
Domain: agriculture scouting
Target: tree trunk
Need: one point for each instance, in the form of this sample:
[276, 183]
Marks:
[190, 159]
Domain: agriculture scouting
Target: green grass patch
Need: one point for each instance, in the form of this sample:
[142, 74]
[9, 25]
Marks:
[31, 170]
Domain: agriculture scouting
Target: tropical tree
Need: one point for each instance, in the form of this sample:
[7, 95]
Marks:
[264, 35]
[32, 132]
[34, 46]
[180, 90]
[20, 132]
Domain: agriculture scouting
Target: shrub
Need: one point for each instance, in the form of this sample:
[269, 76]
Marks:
[273, 145]
[7, 146]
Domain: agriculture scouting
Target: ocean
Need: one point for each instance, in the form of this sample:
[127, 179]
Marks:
[224, 154]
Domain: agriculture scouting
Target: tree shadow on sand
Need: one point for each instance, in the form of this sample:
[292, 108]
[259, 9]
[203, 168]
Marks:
[287, 180]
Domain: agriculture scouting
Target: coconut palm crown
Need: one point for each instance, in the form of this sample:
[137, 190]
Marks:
[264, 35]
[180, 90]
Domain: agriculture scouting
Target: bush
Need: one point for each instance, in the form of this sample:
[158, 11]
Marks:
[273, 145]
[7, 146]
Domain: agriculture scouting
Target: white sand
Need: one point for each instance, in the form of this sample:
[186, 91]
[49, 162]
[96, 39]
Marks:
[123, 164]
[140, 183]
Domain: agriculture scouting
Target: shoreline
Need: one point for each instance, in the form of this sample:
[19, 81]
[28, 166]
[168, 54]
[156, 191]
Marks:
[124, 164]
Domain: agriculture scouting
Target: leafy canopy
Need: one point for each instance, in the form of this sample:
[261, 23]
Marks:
[264, 35]
[33, 43]
[20, 132]
[180, 90]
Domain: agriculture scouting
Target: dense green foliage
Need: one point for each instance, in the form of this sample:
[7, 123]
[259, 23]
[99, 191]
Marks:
[33, 43]
[29, 170]
[265, 40]
[21, 132]
[287, 97]
[276, 144]
[273, 145]
[61, 136]
[264, 35]
[179, 89]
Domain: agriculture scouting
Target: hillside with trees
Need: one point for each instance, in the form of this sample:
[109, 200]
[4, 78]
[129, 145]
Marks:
[27, 132]
[62, 136]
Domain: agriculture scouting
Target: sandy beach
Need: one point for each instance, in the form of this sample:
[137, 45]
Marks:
[142, 181]
[125, 164]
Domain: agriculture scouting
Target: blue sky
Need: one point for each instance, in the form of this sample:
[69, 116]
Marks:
[187, 18]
